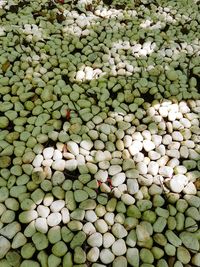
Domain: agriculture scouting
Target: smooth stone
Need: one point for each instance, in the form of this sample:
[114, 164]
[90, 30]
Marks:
[93, 254]
[95, 240]
[54, 219]
[133, 257]
[120, 261]
[148, 145]
[196, 259]
[78, 240]
[29, 263]
[190, 241]
[127, 199]
[41, 225]
[10, 230]
[101, 226]
[48, 152]
[4, 246]
[178, 182]
[108, 240]
[119, 247]
[132, 186]
[119, 231]
[59, 165]
[173, 238]
[118, 179]
[19, 240]
[71, 164]
[73, 148]
[106, 256]
[183, 255]
[40, 241]
[146, 256]
[142, 233]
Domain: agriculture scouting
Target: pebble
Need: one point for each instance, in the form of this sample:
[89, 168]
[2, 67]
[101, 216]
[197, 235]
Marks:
[18, 241]
[119, 247]
[73, 148]
[132, 186]
[118, 179]
[166, 171]
[178, 182]
[106, 256]
[148, 145]
[54, 219]
[120, 261]
[48, 152]
[4, 246]
[133, 257]
[183, 255]
[119, 231]
[93, 254]
[41, 225]
[95, 240]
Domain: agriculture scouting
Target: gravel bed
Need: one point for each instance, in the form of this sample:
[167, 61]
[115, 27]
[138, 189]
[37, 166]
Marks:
[99, 133]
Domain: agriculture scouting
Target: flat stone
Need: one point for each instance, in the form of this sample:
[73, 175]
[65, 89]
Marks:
[119, 231]
[133, 257]
[95, 240]
[118, 179]
[4, 246]
[190, 241]
[106, 256]
[119, 247]
[183, 255]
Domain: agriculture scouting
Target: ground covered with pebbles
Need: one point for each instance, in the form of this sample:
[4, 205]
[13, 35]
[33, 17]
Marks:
[99, 133]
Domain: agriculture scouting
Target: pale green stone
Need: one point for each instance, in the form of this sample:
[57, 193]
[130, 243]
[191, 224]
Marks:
[28, 250]
[19, 240]
[170, 250]
[5, 161]
[180, 219]
[196, 259]
[4, 193]
[144, 204]
[171, 223]
[59, 249]
[4, 122]
[160, 239]
[37, 196]
[193, 213]
[28, 216]
[67, 260]
[88, 204]
[54, 261]
[40, 241]
[172, 75]
[29, 263]
[75, 225]
[149, 216]
[181, 205]
[78, 214]
[146, 256]
[120, 261]
[79, 255]
[8, 216]
[80, 195]
[42, 119]
[43, 258]
[70, 201]
[173, 238]
[190, 241]
[54, 234]
[13, 258]
[162, 212]
[183, 255]
[78, 240]
[158, 253]
[67, 234]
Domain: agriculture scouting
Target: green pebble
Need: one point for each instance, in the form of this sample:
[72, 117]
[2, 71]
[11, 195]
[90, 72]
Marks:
[158, 201]
[160, 239]
[28, 250]
[70, 201]
[144, 204]
[162, 212]
[4, 122]
[159, 224]
[171, 223]
[59, 249]
[149, 216]
[67, 260]
[78, 214]
[120, 207]
[40, 241]
[54, 234]
[146, 256]
[78, 240]
[88, 204]
[79, 255]
[67, 234]
[54, 261]
[170, 250]
[13, 258]
[75, 225]
[29, 263]
[111, 205]
[183, 255]
[158, 253]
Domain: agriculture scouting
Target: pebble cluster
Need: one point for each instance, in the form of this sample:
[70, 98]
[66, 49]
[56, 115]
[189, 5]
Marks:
[99, 134]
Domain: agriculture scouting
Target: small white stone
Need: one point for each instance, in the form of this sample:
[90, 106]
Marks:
[184, 152]
[100, 156]
[57, 154]
[101, 176]
[43, 211]
[135, 147]
[141, 167]
[153, 155]
[177, 136]
[71, 164]
[167, 139]
[41, 225]
[148, 145]
[57, 205]
[101, 226]
[47, 162]
[54, 219]
[37, 162]
[109, 218]
[178, 182]
[190, 189]
[58, 165]
[106, 256]
[65, 215]
[90, 216]
[73, 148]
[173, 153]
[95, 240]
[88, 228]
[108, 240]
[127, 140]
[119, 231]
[86, 144]
[119, 247]
[132, 186]
[166, 171]
[93, 254]
[114, 169]
[139, 157]
[48, 152]
[161, 150]
[156, 139]
[153, 168]
[118, 179]
[127, 199]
